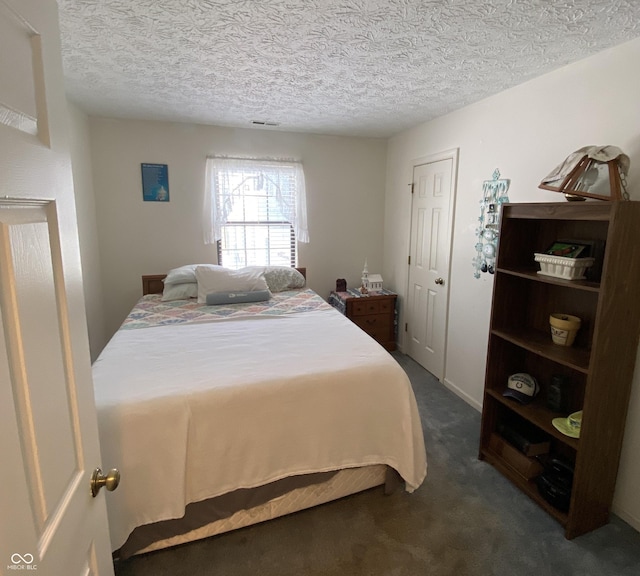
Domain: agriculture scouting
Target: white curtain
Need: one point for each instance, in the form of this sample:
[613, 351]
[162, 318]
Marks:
[283, 179]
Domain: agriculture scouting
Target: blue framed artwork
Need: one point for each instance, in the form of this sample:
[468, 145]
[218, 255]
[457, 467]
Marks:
[155, 182]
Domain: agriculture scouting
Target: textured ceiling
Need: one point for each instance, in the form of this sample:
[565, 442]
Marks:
[358, 67]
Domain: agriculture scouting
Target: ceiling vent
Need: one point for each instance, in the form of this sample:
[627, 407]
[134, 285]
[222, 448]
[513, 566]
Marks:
[264, 123]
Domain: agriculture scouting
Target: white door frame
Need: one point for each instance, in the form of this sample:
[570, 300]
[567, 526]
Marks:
[452, 154]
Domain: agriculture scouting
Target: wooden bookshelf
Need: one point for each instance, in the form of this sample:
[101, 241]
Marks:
[599, 365]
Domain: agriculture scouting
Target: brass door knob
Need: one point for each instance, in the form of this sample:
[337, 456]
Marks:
[440, 281]
[110, 481]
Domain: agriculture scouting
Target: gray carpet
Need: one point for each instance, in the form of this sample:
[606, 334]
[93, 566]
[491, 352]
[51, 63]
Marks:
[466, 519]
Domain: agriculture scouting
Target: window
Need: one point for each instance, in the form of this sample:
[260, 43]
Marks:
[255, 210]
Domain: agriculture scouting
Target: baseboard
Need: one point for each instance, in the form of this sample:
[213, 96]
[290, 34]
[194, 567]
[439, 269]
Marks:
[462, 394]
[451, 386]
[626, 517]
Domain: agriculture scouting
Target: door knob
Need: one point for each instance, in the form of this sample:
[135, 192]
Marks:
[440, 281]
[110, 481]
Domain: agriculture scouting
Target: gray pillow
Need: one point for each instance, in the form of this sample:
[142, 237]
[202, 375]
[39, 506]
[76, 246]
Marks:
[216, 298]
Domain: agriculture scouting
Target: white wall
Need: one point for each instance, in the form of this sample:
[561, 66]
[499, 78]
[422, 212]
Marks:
[345, 179]
[525, 132]
[87, 227]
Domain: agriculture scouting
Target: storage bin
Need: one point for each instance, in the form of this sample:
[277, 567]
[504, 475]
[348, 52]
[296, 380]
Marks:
[527, 467]
[563, 267]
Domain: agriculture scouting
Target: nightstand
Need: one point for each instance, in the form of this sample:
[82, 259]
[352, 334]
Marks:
[374, 313]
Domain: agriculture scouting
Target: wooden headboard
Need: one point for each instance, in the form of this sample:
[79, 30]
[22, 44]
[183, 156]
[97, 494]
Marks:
[153, 283]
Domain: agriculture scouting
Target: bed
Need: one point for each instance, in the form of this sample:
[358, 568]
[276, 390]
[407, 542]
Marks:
[223, 416]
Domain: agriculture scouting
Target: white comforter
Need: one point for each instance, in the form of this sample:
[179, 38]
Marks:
[193, 411]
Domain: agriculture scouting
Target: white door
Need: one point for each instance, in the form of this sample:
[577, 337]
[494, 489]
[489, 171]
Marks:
[48, 432]
[427, 297]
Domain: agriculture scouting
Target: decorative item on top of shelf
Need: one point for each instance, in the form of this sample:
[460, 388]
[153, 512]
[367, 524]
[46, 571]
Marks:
[522, 387]
[565, 259]
[341, 285]
[598, 172]
[564, 328]
[494, 195]
[370, 283]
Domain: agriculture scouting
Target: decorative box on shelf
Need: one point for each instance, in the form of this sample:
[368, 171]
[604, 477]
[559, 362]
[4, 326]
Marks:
[562, 266]
[528, 467]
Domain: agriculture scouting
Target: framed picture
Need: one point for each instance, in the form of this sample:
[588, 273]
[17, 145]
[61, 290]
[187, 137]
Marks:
[594, 249]
[155, 182]
[567, 249]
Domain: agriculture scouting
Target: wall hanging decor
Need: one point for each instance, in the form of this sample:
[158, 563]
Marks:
[598, 172]
[155, 182]
[494, 195]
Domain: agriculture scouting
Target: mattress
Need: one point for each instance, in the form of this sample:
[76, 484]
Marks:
[213, 401]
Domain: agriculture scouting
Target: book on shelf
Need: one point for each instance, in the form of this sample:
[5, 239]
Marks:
[526, 438]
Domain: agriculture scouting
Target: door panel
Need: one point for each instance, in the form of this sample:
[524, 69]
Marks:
[429, 264]
[421, 227]
[41, 387]
[434, 240]
[431, 339]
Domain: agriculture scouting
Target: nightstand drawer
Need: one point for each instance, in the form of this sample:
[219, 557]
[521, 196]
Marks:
[378, 323]
[378, 326]
[364, 306]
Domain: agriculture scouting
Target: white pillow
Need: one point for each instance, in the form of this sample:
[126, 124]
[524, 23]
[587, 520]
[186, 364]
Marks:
[185, 274]
[179, 291]
[280, 278]
[219, 279]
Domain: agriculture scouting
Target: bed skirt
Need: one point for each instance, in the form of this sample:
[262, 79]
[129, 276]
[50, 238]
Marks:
[258, 505]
